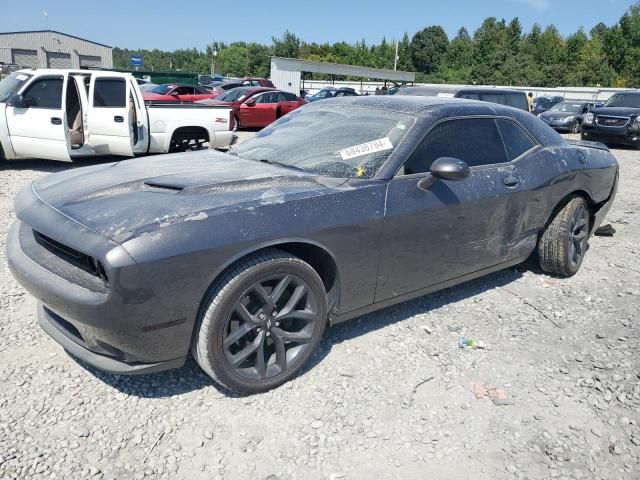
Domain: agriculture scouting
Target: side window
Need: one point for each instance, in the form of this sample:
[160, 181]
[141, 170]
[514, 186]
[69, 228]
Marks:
[268, 97]
[110, 92]
[287, 97]
[45, 93]
[476, 141]
[516, 141]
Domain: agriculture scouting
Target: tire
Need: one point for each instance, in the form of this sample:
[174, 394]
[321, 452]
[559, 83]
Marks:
[563, 243]
[577, 127]
[237, 327]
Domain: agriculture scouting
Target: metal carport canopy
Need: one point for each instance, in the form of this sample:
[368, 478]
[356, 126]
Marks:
[294, 64]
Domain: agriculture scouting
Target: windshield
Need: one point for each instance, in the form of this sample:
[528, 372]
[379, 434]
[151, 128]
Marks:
[325, 93]
[10, 85]
[541, 102]
[236, 94]
[567, 107]
[161, 89]
[624, 100]
[336, 141]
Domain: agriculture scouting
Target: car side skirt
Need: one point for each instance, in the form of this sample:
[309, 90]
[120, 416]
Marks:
[424, 291]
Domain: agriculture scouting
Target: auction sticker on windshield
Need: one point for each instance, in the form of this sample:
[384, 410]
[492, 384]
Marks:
[379, 145]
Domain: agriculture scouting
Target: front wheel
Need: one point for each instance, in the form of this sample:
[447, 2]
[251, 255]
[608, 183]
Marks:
[577, 127]
[563, 243]
[261, 323]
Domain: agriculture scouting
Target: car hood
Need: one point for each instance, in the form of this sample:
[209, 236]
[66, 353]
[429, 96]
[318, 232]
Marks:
[616, 111]
[121, 200]
[549, 114]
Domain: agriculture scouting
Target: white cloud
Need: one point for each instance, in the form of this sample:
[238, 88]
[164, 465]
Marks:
[536, 4]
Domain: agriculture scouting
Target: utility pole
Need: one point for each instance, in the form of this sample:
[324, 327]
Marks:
[214, 54]
[395, 59]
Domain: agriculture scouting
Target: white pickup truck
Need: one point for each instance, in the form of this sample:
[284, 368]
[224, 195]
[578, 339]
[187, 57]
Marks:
[63, 114]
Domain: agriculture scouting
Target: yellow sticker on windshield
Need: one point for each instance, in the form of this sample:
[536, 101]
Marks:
[366, 148]
[360, 171]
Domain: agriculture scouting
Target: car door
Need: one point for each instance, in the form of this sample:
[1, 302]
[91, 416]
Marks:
[38, 128]
[260, 110]
[287, 102]
[452, 228]
[110, 115]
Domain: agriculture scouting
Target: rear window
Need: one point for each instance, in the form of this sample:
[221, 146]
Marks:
[110, 92]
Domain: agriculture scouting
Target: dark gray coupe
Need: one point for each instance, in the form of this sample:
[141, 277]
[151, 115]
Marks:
[338, 209]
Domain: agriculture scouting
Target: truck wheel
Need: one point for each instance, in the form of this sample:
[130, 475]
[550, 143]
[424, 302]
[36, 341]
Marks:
[563, 243]
[577, 127]
[261, 323]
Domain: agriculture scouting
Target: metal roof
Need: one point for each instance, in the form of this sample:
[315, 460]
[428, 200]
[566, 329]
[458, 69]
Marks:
[57, 33]
[342, 69]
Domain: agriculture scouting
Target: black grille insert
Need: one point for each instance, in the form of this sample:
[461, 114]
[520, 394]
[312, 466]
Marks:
[85, 262]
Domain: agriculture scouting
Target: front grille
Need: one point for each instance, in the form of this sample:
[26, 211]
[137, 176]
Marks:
[604, 121]
[85, 262]
[64, 261]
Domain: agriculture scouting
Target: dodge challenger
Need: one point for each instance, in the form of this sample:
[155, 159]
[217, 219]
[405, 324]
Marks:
[339, 208]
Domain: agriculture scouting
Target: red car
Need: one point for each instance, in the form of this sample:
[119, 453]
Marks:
[172, 92]
[257, 106]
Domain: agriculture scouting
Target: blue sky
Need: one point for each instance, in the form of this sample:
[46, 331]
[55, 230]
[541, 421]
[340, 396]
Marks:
[178, 24]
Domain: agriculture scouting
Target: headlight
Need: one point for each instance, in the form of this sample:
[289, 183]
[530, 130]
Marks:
[589, 118]
[636, 122]
[570, 119]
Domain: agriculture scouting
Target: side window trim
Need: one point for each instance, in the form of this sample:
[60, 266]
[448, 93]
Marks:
[397, 174]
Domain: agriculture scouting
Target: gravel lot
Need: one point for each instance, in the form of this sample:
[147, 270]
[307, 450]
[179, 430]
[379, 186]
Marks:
[389, 395]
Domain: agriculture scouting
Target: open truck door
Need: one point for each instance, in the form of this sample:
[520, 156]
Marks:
[37, 120]
[110, 117]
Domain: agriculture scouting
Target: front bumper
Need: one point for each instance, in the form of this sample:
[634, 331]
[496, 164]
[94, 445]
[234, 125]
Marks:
[122, 329]
[618, 136]
[53, 325]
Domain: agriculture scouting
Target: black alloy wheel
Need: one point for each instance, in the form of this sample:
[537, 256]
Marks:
[261, 322]
[579, 235]
[270, 326]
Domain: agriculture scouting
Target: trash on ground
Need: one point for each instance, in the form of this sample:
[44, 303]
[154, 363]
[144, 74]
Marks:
[469, 343]
[605, 231]
[497, 395]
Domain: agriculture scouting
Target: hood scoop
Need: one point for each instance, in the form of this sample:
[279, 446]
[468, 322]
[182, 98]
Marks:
[168, 187]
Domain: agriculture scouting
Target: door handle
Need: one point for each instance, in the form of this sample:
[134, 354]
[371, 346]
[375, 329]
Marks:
[511, 181]
[56, 121]
[118, 119]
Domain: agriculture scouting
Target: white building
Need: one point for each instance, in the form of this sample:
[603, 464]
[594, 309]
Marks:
[286, 73]
[51, 49]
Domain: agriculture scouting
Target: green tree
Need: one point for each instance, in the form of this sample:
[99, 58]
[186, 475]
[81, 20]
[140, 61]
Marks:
[428, 47]
[288, 46]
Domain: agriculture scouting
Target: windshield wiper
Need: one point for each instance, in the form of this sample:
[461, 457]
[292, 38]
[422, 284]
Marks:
[280, 164]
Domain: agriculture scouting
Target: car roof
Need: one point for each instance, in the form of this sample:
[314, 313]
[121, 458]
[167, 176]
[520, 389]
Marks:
[447, 89]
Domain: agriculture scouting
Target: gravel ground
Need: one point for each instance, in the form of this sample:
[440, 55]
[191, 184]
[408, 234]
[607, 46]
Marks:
[389, 395]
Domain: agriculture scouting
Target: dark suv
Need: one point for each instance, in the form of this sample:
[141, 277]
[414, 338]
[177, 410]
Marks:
[542, 104]
[511, 98]
[618, 121]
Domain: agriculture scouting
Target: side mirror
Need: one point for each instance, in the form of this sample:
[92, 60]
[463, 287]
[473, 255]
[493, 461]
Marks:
[445, 168]
[18, 101]
[251, 102]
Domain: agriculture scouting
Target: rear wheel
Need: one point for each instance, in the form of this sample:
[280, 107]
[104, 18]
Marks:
[262, 323]
[563, 243]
